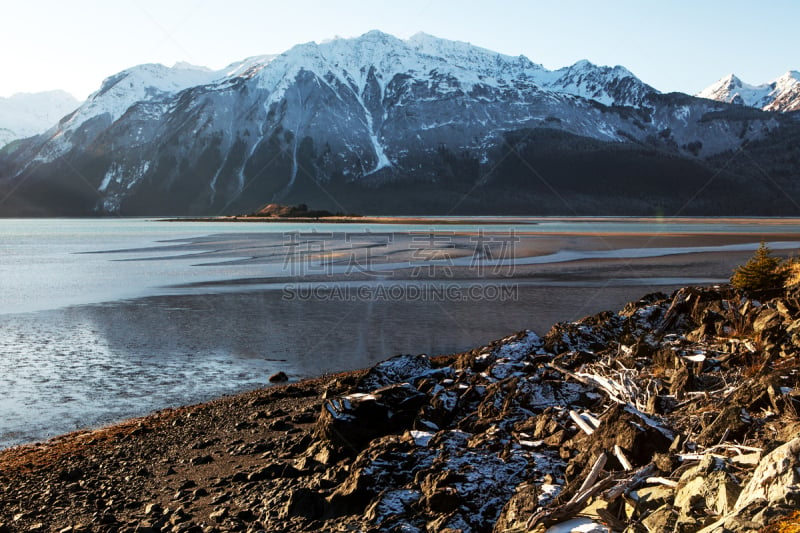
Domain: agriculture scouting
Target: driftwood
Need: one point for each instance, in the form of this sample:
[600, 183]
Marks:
[610, 487]
[628, 484]
[581, 423]
[661, 481]
[620, 455]
[589, 488]
[591, 419]
[594, 473]
[625, 392]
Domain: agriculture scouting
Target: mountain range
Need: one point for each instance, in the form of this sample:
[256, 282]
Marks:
[781, 94]
[380, 125]
[26, 114]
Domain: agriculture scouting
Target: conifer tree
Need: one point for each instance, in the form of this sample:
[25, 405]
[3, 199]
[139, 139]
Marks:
[762, 271]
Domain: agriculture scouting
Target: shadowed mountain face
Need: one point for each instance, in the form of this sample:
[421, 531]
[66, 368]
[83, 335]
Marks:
[383, 126]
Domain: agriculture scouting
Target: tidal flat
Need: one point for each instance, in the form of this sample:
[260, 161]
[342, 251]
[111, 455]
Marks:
[110, 319]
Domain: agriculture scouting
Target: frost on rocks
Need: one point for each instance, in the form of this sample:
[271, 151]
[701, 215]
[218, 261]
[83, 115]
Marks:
[519, 436]
[398, 369]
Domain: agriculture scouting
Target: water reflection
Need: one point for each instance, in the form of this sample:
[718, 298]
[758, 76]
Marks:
[90, 365]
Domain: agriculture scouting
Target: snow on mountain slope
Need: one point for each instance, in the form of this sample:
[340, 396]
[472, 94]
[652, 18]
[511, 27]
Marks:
[781, 94]
[423, 56]
[786, 95]
[26, 114]
[345, 59]
[140, 84]
[447, 67]
[349, 114]
[607, 85]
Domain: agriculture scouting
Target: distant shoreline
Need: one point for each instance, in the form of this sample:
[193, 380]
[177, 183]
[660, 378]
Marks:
[347, 220]
[485, 219]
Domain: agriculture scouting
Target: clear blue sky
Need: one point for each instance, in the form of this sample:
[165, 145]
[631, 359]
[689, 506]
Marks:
[674, 45]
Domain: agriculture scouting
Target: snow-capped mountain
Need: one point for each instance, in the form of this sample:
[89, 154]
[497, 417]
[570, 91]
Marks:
[781, 94]
[373, 123]
[26, 114]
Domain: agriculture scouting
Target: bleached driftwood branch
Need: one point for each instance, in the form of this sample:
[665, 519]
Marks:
[620, 455]
[580, 422]
[588, 488]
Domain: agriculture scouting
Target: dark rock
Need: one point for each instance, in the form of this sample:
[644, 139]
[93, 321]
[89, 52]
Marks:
[71, 474]
[280, 425]
[442, 500]
[279, 377]
[273, 471]
[368, 475]
[666, 462]
[348, 424]
[219, 515]
[246, 515]
[590, 334]
[305, 503]
[201, 460]
[729, 422]
[301, 445]
[637, 437]
[153, 509]
[519, 508]
[203, 444]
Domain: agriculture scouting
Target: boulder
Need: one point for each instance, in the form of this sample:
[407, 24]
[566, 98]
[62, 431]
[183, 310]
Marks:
[776, 479]
[305, 503]
[279, 377]
[519, 508]
[661, 520]
[347, 424]
[767, 321]
[709, 486]
[635, 435]
[646, 500]
[386, 463]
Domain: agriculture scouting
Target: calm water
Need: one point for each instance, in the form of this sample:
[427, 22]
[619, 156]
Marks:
[106, 319]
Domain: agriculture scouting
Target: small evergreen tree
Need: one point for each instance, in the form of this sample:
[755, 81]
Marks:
[762, 271]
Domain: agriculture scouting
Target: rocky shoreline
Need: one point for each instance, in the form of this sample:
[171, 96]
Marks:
[677, 413]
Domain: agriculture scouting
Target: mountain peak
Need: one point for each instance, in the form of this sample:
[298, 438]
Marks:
[583, 64]
[356, 113]
[781, 94]
[731, 80]
[26, 114]
[373, 35]
[183, 65]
